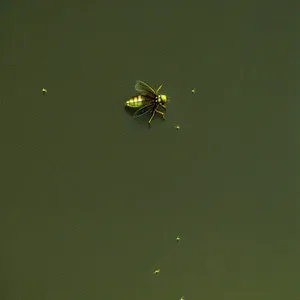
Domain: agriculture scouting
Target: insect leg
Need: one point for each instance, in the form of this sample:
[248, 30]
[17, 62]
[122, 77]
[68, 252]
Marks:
[152, 116]
[161, 113]
[158, 89]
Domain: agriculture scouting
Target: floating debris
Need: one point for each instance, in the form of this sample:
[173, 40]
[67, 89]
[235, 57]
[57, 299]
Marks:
[44, 91]
[177, 238]
[182, 298]
[193, 90]
[156, 272]
[177, 127]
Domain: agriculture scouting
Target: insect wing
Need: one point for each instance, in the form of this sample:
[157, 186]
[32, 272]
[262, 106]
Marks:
[147, 100]
[145, 89]
[144, 110]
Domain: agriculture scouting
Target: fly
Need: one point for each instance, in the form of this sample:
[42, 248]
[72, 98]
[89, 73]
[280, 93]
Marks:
[148, 101]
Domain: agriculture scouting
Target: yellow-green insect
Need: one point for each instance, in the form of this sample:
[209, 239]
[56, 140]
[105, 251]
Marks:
[148, 101]
[156, 272]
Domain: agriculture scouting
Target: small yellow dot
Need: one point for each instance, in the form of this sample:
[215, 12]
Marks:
[44, 91]
[194, 90]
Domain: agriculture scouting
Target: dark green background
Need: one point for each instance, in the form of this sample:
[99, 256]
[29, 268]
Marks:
[91, 200]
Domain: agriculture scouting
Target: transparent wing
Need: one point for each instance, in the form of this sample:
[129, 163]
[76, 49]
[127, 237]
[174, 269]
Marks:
[148, 100]
[145, 89]
[144, 110]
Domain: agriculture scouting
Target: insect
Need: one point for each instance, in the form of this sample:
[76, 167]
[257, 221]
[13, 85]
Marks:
[156, 272]
[148, 101]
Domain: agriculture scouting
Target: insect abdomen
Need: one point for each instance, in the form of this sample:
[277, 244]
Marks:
[136, 101]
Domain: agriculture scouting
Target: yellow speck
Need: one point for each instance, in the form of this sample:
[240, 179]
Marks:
[194, 90]
[177, 238]
[177, 127]
[44, 91]
[156, 271]
[182, 298]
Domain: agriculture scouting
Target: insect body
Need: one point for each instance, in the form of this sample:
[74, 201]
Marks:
[136, 101]
[156, 272]
[148, 101]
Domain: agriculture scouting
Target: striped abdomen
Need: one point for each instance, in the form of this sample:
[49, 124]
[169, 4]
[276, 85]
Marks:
[136, 101]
